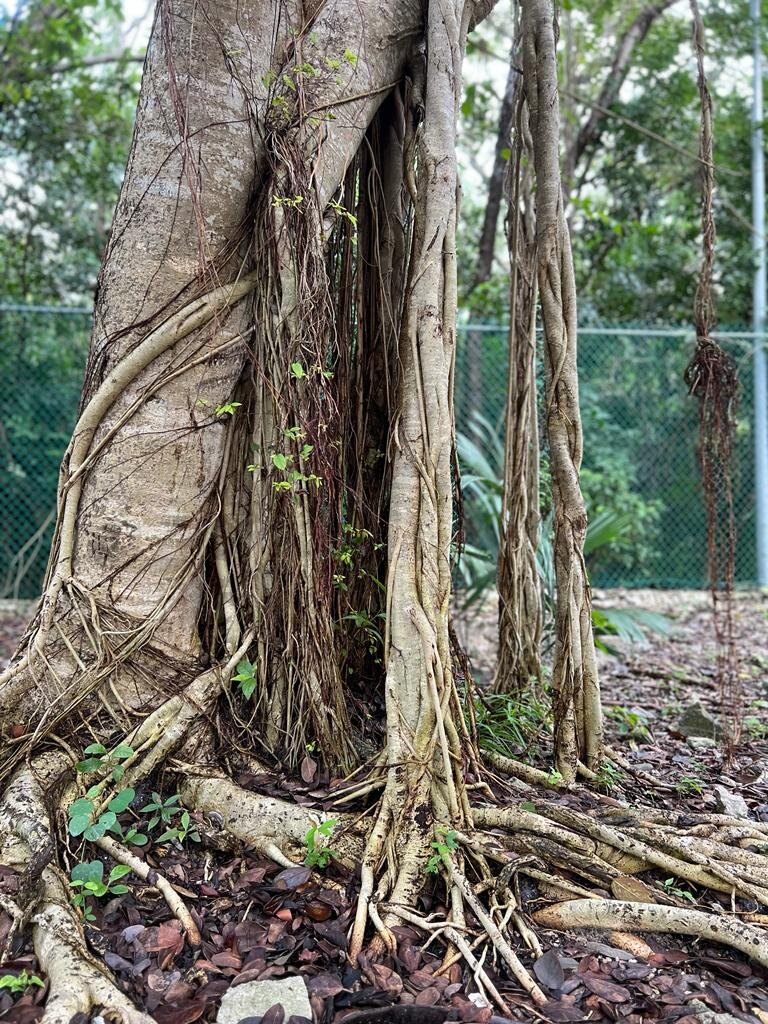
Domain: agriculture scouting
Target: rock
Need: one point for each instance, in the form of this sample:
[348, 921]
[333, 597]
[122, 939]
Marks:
[254, 998]
[697, 721]
[730, 803]
[701, 743]
[707, 1016]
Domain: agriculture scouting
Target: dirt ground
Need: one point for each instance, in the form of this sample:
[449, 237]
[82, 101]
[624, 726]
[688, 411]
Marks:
[259, 921]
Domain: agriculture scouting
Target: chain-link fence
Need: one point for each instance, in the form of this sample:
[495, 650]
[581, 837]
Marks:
[640, 443]
[640, 431]
[42, 356]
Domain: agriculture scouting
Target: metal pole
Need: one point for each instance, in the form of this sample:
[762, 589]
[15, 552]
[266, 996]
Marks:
[758, 304]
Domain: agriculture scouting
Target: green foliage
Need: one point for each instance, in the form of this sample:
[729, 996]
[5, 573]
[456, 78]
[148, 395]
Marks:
[632, 722]
[319, 855]
[481, 457]
[228, 409]
[165, 812]
[82, 819]
[671, 887]
[690, 784]
[103, 761]
[18, 983]
[443, 846]
[245, 678]
[608, 775]
[512, 723]
[87, 879]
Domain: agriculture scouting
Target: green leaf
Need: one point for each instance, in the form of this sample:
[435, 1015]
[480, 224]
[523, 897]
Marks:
[119, 871]
[99, 828]
[170, 833]
[80, 807]
[118, 890]
[279, 460]
[97, 888]
[90, 764]
[137, 838]
[95, 748]
[298, 370]
[122, 800]
[78, 824]
[122, 751]
[87, 871]
[118, 772]
[247, 686]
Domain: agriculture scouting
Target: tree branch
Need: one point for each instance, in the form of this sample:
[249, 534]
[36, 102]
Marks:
[589, 133]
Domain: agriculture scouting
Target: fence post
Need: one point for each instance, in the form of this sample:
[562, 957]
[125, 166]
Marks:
[758, 305]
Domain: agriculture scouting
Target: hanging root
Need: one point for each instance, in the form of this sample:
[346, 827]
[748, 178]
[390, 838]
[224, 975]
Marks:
[646, 917]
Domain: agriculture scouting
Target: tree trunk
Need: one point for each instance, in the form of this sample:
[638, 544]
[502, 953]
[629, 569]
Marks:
[223, 518]
[487, 244]
[520, 612]
[578, 728]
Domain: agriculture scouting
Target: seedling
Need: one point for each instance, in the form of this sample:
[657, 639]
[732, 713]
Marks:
[103, 760]
[245, 678]
[608, 775]
[319, 856]
[690, 784]
[443, 845]
[181, 831]
[84, 822]
[671, 887]
[87, 879]
[632, 722]
[18, 983]
[163, 812]
[228, 409]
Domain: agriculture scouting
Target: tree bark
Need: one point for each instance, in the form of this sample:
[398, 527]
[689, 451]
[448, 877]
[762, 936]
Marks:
[578, 723]
[520, 612]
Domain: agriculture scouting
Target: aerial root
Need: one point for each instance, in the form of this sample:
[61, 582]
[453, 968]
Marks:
[649, 917]
[152, 877]
[494, 933]
[78, 982]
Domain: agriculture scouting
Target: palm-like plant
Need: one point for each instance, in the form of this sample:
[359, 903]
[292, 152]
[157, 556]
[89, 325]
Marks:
[481, 458]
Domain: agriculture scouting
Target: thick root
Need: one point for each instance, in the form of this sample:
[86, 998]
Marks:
[78, 982]
[648, 917]
[264, 823]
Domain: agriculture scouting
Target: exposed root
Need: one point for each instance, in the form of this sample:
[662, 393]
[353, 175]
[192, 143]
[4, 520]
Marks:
[591, 848]
[460, 942]
[152, 877]
[263, 822]
[78, 982]
[648, 917]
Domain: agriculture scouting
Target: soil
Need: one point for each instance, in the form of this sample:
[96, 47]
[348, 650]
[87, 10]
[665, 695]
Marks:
[259, 921]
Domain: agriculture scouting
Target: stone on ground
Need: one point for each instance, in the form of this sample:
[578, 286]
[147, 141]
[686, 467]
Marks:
[254, 998]
[730, 803]
[697, 721]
